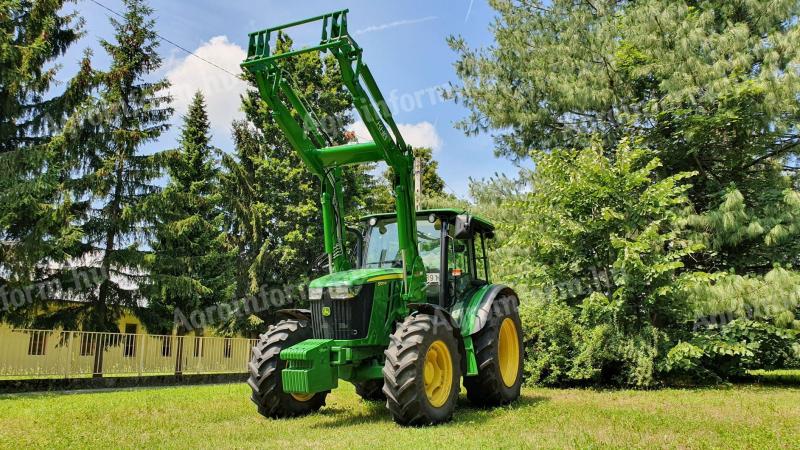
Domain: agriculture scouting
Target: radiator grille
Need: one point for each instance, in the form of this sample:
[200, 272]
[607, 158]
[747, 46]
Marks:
[348, 319]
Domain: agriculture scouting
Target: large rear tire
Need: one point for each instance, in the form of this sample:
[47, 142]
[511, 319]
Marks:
[422, 371]
[265, 373]
[499, 353]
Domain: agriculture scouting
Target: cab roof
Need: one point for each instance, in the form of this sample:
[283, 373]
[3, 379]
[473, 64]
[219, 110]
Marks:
[449, 213]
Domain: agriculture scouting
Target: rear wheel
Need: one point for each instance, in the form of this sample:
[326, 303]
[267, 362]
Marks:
[265, 373]
[370, 390]
[499, 353]
[422, 372]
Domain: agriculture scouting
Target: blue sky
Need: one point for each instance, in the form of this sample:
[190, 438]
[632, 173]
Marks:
[404, 45]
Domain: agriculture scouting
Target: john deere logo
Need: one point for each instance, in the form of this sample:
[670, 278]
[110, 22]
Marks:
[326, 311]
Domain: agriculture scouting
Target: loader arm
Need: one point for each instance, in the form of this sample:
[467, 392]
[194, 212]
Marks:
[306, 134]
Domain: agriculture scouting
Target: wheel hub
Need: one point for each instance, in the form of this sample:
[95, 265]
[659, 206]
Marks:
[438, 373]
[508, 352]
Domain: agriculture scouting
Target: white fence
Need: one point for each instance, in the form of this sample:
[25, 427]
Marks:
[71, 354]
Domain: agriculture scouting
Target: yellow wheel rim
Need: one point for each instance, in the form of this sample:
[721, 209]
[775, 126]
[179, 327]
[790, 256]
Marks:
[438, 374]
[508, 352]
[302, 397]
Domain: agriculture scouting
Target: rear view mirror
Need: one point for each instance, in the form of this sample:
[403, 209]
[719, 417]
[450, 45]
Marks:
[463, 227]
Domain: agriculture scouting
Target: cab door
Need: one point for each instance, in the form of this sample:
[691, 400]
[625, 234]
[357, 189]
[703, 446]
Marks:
[460, 268]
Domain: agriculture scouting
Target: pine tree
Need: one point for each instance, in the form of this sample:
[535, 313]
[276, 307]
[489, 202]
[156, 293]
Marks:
[708, 85]
[117, 180]
[192, 262]
[36, 157]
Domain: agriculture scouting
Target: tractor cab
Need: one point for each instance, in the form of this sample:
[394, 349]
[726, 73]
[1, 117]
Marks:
[452, 246]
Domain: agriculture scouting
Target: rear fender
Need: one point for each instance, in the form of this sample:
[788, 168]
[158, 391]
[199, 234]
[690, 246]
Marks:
[473, 313]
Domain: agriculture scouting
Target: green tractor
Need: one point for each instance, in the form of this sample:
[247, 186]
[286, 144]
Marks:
[414, 310]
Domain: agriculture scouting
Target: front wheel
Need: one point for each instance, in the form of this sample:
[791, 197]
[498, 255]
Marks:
[265, 373]
[422, 371]
[370, 390]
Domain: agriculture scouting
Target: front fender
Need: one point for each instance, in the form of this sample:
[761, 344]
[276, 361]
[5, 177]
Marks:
[472, 313]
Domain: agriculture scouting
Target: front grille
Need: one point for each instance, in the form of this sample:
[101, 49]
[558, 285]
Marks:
[349, 318]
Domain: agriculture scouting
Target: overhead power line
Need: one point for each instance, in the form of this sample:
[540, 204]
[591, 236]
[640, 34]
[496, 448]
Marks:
[171, 42]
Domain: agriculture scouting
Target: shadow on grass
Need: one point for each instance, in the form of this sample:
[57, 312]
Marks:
[376, 412]
[368, 412]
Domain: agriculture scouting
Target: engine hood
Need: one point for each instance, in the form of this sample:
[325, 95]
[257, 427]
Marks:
[357, 277]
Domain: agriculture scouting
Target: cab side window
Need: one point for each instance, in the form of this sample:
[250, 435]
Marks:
[481, 258]
[429, 238]
[460, 270]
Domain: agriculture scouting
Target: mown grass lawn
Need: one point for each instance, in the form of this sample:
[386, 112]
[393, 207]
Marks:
[221, 416]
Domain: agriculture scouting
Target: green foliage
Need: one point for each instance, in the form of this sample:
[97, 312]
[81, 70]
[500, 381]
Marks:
[433, 193]
[702, 78]
[709, 88]
[706, 85]
[116, 180]
[600, 240]
[192, 262]
[36, 154]
[773, 298]
[749, 238]
[720, 352]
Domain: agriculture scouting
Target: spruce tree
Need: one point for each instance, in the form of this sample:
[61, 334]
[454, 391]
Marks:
[192, 261]
[118, 175]
[36, 157]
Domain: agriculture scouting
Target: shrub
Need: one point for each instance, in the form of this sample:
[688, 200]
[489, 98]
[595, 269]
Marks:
[597, 235]
[721, 352]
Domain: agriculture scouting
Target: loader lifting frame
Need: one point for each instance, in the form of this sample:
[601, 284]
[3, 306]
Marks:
[314, 146]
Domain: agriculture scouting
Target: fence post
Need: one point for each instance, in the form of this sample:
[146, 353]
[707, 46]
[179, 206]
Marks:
[142, 350]
[68, 366]
[179, 354]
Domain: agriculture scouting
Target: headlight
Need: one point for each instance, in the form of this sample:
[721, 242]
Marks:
[315, 293]
[343, 292]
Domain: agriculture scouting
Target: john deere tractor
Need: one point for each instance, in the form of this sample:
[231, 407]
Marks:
[414, 311]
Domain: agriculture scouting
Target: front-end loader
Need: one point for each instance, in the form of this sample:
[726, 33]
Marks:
[414, 312]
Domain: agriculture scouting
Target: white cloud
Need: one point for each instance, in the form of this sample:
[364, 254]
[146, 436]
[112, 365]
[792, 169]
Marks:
[422, 134]
[221, 89]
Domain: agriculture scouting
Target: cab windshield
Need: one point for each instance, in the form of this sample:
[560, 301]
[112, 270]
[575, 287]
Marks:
[383, 247]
